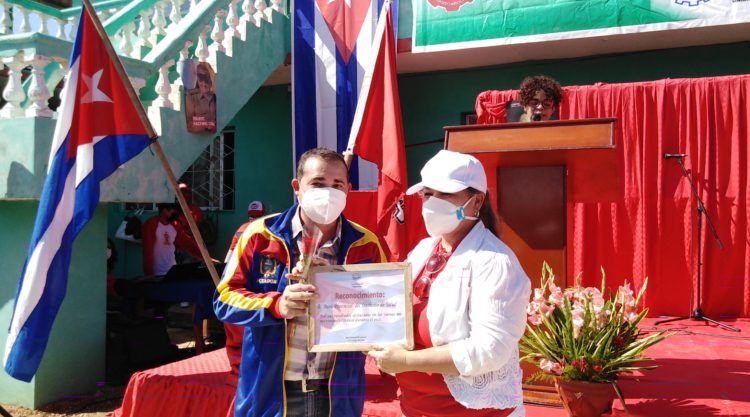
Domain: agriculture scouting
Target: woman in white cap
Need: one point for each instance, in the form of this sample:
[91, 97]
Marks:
[470, 296]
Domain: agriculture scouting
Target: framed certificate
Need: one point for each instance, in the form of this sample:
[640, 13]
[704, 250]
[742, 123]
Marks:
[359, 306]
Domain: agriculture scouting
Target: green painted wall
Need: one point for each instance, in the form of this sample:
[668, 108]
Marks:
[263, 149]
[264, 165]
[73, 363]
[24, 152]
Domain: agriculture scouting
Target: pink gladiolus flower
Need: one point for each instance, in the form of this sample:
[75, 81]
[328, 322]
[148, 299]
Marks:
[550, 367]
[577, 315]
[556, 295]
[535, 319]
[602, 317]
[546, 309]
[539, 296]
[631, 316]
[625, 295]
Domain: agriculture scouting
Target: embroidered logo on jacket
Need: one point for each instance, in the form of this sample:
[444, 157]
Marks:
[268, 266]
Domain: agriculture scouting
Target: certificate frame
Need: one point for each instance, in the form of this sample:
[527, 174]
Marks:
[398, 293]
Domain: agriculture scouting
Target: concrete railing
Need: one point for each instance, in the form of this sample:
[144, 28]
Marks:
[243, 42]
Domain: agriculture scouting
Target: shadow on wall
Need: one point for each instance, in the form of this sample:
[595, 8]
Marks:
[21, 180]
[26, 178]
[16, 222]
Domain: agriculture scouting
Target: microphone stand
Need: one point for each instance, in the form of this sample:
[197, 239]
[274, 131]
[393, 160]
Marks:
[697, 314]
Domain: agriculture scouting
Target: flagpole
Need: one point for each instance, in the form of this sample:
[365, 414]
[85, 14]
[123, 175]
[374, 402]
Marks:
[154, 142]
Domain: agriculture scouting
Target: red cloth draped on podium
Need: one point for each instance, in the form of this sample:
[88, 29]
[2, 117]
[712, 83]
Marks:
[651, 232]
[199, 386]
[202, 386]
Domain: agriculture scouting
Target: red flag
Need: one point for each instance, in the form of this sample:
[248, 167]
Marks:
[378, 136]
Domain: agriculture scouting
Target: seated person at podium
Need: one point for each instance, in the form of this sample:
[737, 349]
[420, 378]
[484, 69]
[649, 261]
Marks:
[540, 97]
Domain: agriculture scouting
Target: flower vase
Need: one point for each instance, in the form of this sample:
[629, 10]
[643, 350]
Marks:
[585, 399]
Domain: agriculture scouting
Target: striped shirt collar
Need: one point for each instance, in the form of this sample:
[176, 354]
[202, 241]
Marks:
[297, 229]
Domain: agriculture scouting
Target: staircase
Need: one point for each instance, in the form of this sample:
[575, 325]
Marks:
[244, 44]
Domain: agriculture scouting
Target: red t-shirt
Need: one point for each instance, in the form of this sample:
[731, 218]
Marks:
[425, 394]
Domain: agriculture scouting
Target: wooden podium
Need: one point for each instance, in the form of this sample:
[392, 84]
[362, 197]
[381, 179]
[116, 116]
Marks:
[535, 170]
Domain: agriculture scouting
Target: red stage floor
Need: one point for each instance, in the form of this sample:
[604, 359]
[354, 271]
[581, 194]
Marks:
[704, 371]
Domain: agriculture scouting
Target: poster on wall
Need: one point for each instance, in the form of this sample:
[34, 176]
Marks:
[199, 80]
[441, 25]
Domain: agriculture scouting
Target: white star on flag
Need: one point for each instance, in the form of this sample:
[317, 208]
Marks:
[94, 94]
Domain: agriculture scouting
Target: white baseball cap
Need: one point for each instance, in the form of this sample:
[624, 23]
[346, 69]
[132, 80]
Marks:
[451, 172]
[255, 209]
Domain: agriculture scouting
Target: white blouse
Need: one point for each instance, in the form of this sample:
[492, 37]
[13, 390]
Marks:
[478, 309]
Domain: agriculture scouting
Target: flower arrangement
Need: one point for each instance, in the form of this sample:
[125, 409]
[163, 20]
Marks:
[578, 334]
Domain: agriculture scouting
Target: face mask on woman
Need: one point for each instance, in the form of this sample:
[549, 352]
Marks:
[442, 217]
[323, 205]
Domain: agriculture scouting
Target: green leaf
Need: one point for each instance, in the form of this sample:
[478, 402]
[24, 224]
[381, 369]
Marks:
[620, 396]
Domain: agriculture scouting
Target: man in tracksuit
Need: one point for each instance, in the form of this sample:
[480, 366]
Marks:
[278, 376]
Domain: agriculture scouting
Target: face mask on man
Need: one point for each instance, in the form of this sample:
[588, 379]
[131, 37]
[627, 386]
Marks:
[441, 217]
[323, 205]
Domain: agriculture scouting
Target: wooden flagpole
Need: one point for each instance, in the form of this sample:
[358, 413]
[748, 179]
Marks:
[154, 141]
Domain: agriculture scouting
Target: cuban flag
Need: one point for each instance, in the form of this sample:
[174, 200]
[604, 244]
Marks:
[98, 129]
[377, 135]
[332, 48]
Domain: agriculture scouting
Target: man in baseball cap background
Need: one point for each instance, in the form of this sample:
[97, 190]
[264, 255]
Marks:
[255, 210]
[234, 333]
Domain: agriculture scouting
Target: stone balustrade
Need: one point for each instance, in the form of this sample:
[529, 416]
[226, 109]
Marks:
[159, 33]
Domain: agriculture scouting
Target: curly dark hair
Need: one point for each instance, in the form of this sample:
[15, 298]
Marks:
[531, 85]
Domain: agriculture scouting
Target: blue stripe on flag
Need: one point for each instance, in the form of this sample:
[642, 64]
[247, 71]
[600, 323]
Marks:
[52, 192]
[346, 104]
[305, 116]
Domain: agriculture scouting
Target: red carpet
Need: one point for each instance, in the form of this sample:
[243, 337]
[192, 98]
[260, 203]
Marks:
[703, 371]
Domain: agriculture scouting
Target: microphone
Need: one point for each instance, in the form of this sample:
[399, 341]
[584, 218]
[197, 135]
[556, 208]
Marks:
[674, 155]
[536, 117]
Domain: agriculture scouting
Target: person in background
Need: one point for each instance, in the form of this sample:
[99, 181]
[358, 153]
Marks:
[234, 333]
[469, 301]
[540, 97]
[183, 227]
[111, 262]
[278, 376]
[254, 210]
[160, 240]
